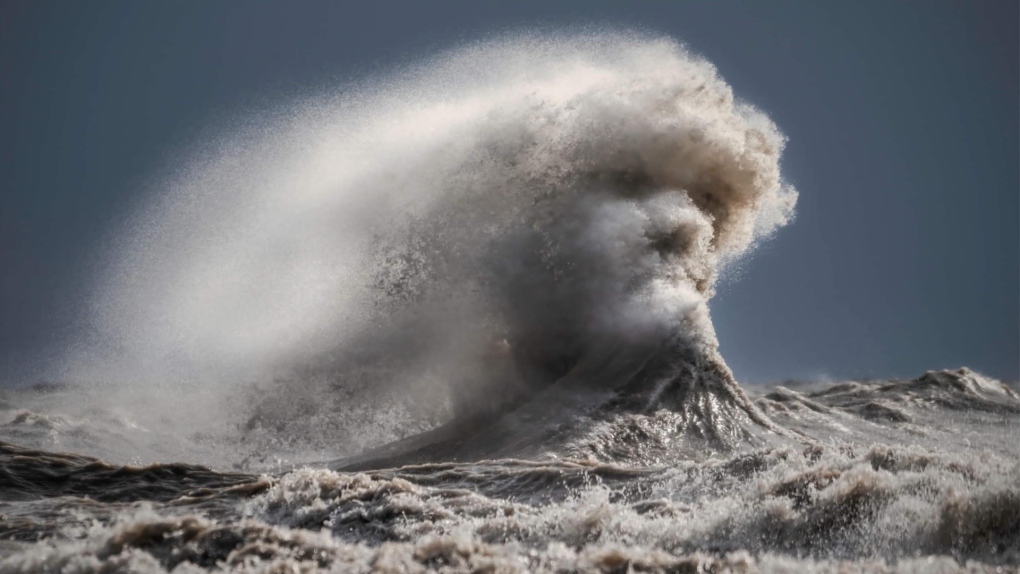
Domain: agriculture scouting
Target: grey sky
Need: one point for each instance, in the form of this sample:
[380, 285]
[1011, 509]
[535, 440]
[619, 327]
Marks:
[902, 118]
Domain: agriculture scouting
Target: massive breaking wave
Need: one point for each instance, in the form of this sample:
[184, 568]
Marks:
[454, 237]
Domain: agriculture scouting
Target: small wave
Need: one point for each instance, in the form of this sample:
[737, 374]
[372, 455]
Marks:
[867, 509]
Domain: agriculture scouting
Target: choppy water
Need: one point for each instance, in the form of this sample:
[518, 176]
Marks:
[457, 318]
[916, 476]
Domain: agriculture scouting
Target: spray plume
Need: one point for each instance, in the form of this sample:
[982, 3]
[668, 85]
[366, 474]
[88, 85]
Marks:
[458, 234]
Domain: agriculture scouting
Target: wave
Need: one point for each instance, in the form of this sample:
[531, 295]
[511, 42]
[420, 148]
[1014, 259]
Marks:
[451, 239]
[871, 509]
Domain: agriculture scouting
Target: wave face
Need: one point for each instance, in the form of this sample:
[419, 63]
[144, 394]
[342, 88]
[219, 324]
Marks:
[446, 241]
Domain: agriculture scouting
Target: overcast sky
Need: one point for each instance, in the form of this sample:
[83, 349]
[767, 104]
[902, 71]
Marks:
[902, 119]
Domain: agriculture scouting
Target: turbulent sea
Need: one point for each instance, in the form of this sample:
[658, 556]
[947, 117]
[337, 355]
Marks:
[456, 318]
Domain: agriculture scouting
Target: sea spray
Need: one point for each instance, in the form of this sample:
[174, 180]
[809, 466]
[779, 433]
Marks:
[447, 239]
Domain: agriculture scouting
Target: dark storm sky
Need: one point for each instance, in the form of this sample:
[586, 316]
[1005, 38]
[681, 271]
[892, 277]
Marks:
[902, 118]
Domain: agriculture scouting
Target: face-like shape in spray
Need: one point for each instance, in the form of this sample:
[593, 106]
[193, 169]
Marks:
[532, 194]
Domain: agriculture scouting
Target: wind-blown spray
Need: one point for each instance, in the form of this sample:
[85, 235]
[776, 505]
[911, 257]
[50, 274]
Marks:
[464, 233]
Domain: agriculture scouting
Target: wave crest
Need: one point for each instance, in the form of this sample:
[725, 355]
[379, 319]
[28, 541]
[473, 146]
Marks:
[464, 232]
